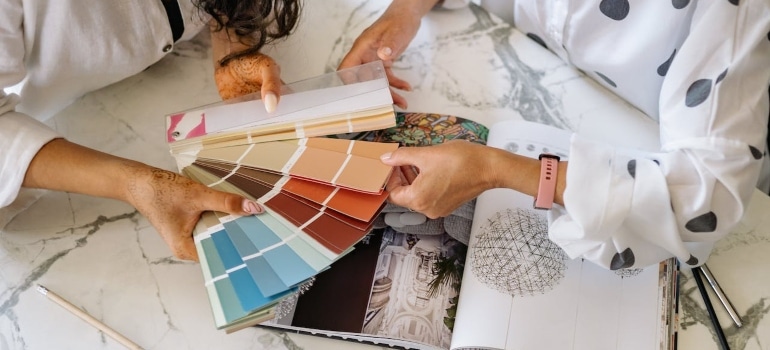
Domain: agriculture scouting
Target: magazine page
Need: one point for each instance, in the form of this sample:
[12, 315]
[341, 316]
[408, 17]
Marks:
[521, 291]
[385, 291]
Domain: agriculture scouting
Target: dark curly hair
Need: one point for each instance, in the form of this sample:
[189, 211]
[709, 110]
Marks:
[255, 22]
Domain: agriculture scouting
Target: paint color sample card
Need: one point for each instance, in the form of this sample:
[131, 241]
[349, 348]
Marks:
[267, 193]
[349, 100]
[348, 164]
[248, 267]
[282, 226]
[333, 230]
[321, 195]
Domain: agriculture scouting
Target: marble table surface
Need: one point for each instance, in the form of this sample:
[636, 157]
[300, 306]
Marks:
[108, 260]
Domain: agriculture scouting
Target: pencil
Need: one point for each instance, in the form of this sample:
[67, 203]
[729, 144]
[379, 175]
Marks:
[710, 309]
[721, 295]
[88, 318]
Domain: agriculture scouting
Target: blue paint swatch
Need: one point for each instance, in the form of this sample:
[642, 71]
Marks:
[246, 289]
[258, 233]
[251, 299]
[288, 265]
[216, 268]
[231, 306]
[266, 278]
[226, 249]
[241, 242]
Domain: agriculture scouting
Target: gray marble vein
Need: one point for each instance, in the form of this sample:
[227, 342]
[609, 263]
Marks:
[527, 95]
[696, 315]
[42, 268]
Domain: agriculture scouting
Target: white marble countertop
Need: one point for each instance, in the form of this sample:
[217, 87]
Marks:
[106, 258]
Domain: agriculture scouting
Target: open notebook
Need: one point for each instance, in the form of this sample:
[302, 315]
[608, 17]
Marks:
[321, 194]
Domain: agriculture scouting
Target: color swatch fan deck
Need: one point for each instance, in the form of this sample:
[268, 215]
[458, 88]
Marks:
[321, 194]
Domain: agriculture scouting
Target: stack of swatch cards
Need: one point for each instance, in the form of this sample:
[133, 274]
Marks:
[321, 194]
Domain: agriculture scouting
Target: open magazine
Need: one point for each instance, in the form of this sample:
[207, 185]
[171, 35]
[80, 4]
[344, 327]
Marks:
[509, 288]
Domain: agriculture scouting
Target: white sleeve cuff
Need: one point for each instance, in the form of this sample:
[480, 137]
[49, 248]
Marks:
[21, 137]
[617, 212]
[594, 172]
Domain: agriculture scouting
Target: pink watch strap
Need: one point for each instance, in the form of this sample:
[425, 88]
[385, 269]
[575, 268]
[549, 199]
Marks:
[549, 165]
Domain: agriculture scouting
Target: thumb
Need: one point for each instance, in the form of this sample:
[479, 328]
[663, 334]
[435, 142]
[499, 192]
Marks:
[385, 53]
[231, 203]
[390, 50]
[401, 156]
[394, 41]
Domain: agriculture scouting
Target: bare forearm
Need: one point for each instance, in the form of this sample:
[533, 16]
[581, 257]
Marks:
[171, 202]
[64, 166]
[523, 174]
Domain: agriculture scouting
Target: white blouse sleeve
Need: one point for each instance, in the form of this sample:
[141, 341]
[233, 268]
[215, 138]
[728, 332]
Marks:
[624, 211]
[21, 137]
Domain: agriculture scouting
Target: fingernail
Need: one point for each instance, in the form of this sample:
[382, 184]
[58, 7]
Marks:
[386, 156]
[271, 102]
[252, 207]
[385, 52]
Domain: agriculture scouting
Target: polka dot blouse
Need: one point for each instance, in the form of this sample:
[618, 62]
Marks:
[702, 70]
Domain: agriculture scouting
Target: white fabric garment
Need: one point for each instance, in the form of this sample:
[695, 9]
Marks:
[702, 70]
[54, 51]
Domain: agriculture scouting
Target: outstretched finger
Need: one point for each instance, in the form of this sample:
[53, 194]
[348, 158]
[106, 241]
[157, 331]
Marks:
[398, 100]
[271, 85]
[397, 82]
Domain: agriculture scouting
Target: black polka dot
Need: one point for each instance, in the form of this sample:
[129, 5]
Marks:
[692, 260]
[734, 2]
[608, 80]
[680, 4]
[663, 68]
[704, 223]
[615, 9]
[632, 167]
[720, 77]
[537, 39]
[698, 92]
[622, 260]
[755, 152]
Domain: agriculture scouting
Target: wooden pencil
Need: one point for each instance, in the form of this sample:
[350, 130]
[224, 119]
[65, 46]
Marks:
[87, 317]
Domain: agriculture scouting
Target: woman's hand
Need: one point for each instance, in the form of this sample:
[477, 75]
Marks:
[243, 74]
[436, 180]
[249, 74]
[387, 38]
[446, 176]
[171, 202]
[174, 203]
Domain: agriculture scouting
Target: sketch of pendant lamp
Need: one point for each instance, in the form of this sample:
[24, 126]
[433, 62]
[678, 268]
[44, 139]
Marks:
[513, 254]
